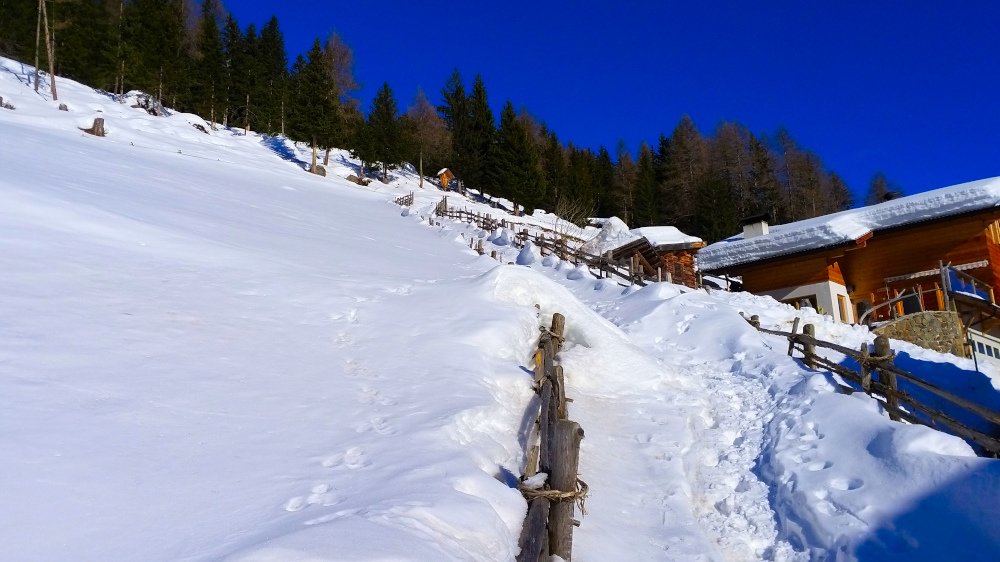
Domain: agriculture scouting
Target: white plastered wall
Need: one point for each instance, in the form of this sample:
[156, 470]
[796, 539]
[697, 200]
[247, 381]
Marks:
[826, 297]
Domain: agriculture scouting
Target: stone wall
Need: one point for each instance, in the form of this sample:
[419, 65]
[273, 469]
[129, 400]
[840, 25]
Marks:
[940, 331]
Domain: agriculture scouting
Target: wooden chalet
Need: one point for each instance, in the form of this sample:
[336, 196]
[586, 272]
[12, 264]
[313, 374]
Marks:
[664, 252]
[874, 262]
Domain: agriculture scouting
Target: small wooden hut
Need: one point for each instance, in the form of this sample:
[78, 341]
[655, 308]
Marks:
[445, 176]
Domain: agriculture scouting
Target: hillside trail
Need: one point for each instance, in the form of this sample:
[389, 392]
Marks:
[674, 426]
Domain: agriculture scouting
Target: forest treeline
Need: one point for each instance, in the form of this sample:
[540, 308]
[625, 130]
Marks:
[195, 57]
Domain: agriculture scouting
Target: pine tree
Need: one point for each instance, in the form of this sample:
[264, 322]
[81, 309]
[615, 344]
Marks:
[312, 111]
[519, 174]
[646, 204]
[838, 196]
[272, 85]
[765, 191]
[17, 28]
[684, 171]
[608, 203]
[878, 190]
[232, 41]
[554, 167]
[157, 58]
[385, 131]
[625, 180]
[210, 63]
[475, 156]
[455, 113]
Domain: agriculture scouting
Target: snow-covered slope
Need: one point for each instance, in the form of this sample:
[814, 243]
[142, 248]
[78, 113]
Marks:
[206, 353]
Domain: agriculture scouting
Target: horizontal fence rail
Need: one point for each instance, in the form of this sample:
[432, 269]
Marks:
[565, 246]
[878, 377]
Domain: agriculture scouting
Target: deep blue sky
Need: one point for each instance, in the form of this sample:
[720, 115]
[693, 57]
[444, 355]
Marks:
[908, 88]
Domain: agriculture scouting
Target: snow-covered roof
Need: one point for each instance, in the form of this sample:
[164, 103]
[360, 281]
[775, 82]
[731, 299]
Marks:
[848, 226]
[443, 170]
[615, 233]
[665, 235]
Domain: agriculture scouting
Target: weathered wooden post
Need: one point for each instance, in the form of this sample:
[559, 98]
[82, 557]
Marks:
[866, 372]
[479, 247]
[560, 386]
[792, 336]
[563, 478]
[755, 321]
[493, 254]
[888, 379]
[809, 346]
[534, 540]
[558, 326]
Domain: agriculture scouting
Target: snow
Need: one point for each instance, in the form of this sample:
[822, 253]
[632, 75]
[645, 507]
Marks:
[665, 235]
[614, 233]
[207, 353]
[847, 226]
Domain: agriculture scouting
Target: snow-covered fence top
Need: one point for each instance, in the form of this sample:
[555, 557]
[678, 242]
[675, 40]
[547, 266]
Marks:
[925, 403]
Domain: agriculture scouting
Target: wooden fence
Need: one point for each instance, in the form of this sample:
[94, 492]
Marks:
[554, 449]
[404, 200]
[566, 247]
[878, 377]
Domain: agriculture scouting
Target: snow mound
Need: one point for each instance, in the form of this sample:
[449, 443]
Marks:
[614, 233]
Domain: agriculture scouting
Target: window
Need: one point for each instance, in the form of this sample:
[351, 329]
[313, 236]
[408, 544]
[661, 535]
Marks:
[989, 351]
[842, 303]
[982, 349]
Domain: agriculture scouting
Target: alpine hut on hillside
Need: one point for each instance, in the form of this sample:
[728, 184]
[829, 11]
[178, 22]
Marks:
[444, 177]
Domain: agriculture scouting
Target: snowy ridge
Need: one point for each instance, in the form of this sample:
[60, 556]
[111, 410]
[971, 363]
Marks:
[848, 226]
[208, 354]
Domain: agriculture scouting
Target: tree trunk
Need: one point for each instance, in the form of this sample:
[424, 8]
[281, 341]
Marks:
[38, 41]
[313, 167]
[326, 157]
[421, 171]
[51, 50]
[246, 122]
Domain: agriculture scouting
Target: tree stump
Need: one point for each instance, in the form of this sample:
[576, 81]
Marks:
[98, 127]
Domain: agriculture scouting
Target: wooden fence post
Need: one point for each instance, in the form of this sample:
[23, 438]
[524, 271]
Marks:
[558, 326]
[534, 540]
[563, 477]
[791, 337]
[886, 377]
[866, 372]
[809, 348]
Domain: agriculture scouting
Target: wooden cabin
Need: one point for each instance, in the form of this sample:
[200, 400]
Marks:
[663, 251]
[849, 262]
[444, 177]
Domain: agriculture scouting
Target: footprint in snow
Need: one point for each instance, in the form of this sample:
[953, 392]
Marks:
[846, 484]
[353, 458]
[320, 494]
